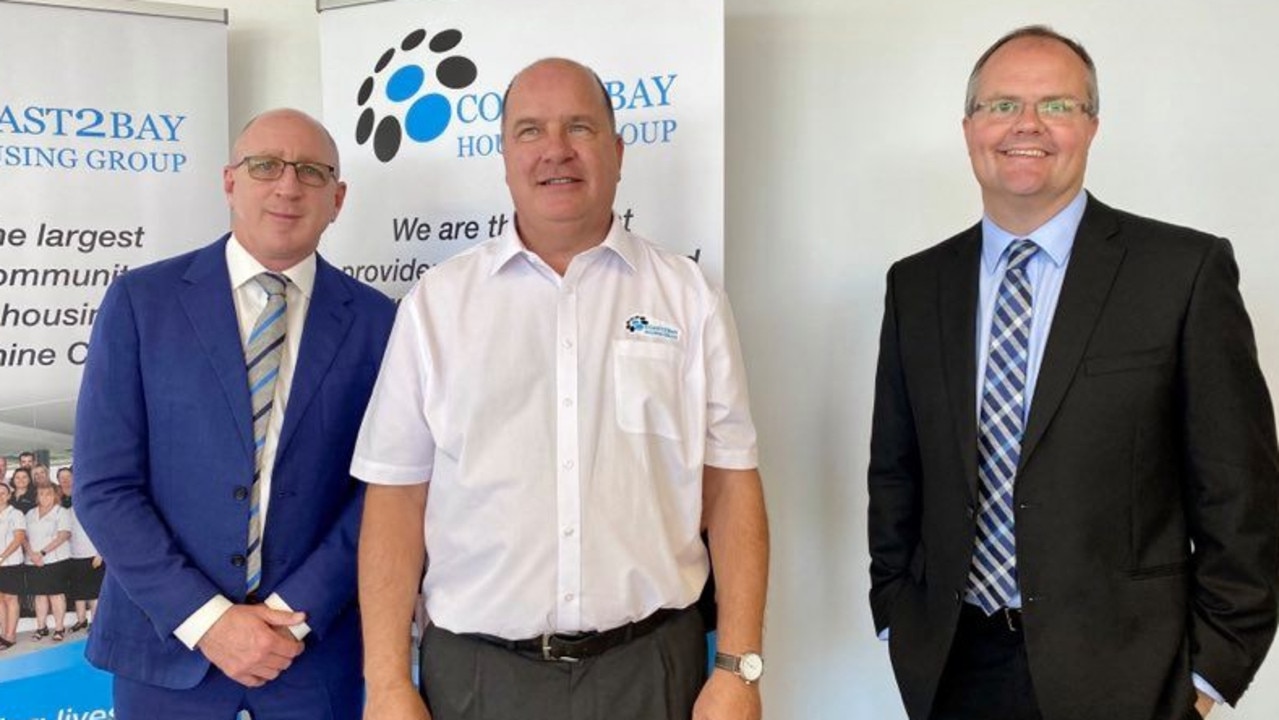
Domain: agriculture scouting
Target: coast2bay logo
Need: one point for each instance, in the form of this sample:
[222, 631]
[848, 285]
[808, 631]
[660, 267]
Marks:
[642, 325]
[419, 109]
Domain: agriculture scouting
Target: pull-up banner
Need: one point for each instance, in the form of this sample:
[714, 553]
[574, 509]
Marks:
[413, 94]
[113, 131]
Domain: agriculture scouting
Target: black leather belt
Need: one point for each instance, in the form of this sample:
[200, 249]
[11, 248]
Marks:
[1005, 618]
[574, 647]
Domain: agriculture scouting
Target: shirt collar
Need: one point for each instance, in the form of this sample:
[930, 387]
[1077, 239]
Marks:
[244, 267]
[1054, 238]
[617, 240]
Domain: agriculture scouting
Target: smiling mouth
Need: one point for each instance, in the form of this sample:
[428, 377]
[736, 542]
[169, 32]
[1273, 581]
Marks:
[1026, 152]
[558, 181]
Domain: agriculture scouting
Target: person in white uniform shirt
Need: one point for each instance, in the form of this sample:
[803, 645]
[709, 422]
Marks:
[575, 399]
[48, 549]
[13, 535]
[85, 579]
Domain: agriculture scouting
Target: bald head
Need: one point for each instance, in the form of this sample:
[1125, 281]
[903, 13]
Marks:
[572, 66]
[277, 215]
[294, 117]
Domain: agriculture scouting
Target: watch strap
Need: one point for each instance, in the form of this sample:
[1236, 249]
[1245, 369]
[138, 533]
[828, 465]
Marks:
[731, 663]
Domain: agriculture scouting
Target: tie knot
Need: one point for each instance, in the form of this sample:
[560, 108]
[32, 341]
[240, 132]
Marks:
[273, 283]
[1020, 253]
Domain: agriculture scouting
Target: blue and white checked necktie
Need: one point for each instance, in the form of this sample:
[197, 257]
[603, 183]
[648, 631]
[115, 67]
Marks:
[992, 578]
[262, 354]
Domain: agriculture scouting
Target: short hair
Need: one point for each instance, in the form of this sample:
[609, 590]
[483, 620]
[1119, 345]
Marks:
[65, 468]
[1043, 32]
[27, 453]
[57, 491]
[604, 96]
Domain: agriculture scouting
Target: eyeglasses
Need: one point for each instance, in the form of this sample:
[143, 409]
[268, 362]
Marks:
[266, 167]
[1048, 110]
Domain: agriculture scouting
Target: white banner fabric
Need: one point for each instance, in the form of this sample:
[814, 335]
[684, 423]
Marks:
[413, 94]
[113, 130]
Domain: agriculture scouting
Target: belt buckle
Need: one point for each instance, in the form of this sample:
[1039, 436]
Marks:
[549, 655]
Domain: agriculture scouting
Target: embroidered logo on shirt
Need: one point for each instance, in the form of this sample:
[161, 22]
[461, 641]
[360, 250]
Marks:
[641, 325]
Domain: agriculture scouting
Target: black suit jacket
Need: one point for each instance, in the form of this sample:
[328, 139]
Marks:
[1146, 501]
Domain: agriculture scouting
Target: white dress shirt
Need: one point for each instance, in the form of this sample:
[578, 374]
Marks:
[250, 298]
[563, 423]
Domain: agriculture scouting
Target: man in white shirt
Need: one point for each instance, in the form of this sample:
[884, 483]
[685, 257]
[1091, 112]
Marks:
[220, 403]
[575, 401]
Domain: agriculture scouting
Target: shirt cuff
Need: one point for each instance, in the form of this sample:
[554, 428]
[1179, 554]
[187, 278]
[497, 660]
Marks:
[884, 635]
[195, 626]
[1204, 687]
[275, 602]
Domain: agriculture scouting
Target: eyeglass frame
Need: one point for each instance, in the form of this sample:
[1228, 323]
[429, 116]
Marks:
[331, 172]
[1072, 103]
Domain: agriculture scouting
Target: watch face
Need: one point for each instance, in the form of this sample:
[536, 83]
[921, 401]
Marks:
[751, 667]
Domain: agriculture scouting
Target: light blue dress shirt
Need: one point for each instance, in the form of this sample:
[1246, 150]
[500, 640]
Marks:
[1046, 271]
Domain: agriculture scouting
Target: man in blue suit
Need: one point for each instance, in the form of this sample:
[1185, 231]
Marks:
[220, 404]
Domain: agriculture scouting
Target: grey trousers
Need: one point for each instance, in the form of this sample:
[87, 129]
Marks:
[655, 677]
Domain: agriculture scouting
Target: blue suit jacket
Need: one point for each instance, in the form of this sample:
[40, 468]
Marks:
[164, 457]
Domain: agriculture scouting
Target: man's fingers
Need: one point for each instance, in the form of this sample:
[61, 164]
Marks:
[280, 618]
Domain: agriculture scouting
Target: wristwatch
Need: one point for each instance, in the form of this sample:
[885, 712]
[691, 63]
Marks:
[747, 666]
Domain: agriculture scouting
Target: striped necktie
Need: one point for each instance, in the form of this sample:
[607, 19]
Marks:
[992, 578]
[262, 354]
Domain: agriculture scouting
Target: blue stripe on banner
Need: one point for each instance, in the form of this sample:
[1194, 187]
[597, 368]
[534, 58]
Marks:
[53, 682]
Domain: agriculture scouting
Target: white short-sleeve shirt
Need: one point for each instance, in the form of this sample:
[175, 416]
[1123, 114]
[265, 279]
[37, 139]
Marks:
[563, 424]
[42, 530]
[81, 545]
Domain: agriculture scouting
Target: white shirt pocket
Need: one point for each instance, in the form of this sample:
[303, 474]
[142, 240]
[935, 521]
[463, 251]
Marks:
[647, 382]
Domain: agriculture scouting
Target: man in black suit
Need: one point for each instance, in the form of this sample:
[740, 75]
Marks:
[1073, 506]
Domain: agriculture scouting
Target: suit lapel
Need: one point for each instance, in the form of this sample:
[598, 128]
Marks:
[958, 313]
[1094, 261]
[206, 300]
[328, 319]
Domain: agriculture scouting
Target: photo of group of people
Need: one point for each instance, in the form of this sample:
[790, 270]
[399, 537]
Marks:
[50, 571]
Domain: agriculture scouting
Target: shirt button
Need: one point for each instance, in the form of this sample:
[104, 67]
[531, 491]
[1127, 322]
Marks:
[568, 344]
[568, 532]
[568, 402]
[568, 464]
[568, 597]
[237, 560]
[241, 493]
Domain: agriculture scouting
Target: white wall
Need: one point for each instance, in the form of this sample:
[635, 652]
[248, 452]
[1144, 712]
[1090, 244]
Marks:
[844, 153]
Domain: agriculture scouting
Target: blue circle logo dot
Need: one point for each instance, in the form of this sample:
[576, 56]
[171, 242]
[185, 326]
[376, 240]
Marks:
[405, 83]
[427, 117]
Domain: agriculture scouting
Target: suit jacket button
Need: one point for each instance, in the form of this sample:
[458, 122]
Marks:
[237, 560]
[241, 492]
[971, 512]
[959, 596]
